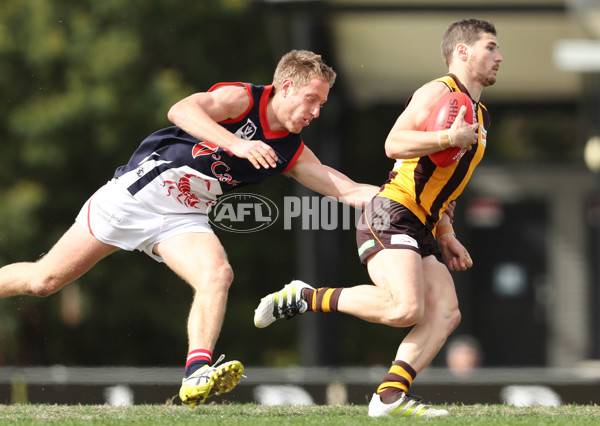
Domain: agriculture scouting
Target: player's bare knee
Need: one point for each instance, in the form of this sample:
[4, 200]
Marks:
[225, 274]
[448, 321]
[219, 278]
[406, 315]
[453, 320]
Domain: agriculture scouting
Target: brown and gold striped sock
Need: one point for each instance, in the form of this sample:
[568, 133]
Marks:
[396, 382]
[324, 299]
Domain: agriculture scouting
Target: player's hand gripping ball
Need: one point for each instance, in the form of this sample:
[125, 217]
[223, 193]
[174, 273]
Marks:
[442, 118]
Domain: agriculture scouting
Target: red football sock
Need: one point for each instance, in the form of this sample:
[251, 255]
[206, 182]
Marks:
[196, 359]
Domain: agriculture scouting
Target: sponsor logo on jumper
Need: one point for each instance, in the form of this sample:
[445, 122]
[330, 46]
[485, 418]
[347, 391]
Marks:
[204, 148]
[218, 168]
[207, 148]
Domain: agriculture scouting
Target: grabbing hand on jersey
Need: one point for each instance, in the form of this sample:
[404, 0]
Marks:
[464, 135]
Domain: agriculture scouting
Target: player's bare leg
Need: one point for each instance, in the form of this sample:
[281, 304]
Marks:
[422, 293]
[441, 317]
[72, 256]
[408, 290]
[200, 259]
[397, 298]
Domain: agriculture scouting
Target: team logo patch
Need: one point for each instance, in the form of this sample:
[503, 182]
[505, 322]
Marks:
[404, 240]
[247, 131]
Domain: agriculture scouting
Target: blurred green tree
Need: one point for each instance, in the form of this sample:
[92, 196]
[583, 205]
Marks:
[82, 84]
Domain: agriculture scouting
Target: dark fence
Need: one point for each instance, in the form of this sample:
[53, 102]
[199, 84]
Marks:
[299, 385]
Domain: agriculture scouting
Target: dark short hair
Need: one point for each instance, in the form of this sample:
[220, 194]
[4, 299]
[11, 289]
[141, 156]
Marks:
[467, 31]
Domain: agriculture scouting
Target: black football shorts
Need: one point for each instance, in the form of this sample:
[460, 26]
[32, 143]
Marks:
[387, 224]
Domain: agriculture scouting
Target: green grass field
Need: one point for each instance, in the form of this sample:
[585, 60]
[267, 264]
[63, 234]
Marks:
[256, 415]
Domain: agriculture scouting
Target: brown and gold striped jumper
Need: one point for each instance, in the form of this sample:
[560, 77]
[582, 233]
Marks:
[424, 188]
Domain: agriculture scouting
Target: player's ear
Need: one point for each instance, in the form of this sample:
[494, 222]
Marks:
[462, 51]
[286, 87]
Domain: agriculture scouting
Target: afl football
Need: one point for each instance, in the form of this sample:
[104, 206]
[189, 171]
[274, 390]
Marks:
[442, 118]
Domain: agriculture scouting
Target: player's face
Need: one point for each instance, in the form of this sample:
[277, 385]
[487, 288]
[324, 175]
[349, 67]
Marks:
[486, 59]
[302, 104]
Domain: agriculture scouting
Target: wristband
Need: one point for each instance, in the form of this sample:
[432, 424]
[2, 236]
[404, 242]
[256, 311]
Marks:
[445, 139]
[444, 230]
[447, 233]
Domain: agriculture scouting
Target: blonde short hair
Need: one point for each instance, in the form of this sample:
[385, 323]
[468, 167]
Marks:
[301, 66]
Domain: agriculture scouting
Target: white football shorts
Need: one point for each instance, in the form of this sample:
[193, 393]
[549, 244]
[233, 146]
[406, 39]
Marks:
[115, 217]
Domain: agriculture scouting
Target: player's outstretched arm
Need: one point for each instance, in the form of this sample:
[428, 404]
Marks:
[310, 172]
